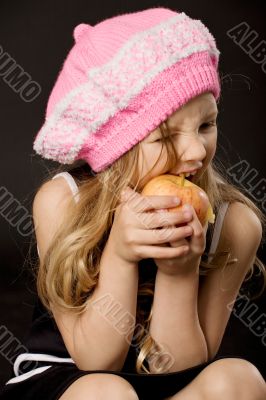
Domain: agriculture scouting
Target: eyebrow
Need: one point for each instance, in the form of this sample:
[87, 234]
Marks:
[211, 113]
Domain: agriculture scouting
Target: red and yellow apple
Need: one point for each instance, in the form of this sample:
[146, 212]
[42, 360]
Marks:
[186, 191]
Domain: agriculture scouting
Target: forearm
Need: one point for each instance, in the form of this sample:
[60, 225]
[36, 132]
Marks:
[175, 321]
[102, 335]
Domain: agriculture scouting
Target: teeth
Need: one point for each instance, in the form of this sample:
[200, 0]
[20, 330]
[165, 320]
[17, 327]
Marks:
[187, 174]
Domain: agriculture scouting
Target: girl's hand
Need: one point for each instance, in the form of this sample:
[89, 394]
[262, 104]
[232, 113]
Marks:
[135, 235]
[189, 260]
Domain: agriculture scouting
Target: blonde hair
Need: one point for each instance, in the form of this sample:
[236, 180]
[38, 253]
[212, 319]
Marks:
[70, 269]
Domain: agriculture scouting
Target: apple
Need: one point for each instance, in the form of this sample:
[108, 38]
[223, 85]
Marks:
[186, 191]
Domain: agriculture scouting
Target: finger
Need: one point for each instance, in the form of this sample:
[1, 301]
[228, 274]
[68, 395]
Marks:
[182, 242]
[198, 235]
[126, 194]
[162, 252]
[152, 220]
[185, 241]
[160, 236]
[188, 239]
[141, 203]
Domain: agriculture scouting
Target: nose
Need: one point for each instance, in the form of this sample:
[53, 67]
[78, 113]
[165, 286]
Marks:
[191, 148]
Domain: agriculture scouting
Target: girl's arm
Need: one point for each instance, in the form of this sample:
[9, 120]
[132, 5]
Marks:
[101, 336]
[175, 323]
[97, 338]
[242, 233]
[174, 298]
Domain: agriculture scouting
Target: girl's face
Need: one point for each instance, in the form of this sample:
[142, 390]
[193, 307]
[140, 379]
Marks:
[194, 133]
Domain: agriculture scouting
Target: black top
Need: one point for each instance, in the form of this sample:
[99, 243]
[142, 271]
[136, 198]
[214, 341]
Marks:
[44, 337]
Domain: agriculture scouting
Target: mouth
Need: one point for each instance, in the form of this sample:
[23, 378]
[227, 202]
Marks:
[190, 176]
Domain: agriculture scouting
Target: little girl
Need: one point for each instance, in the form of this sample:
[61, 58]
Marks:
[132, 302]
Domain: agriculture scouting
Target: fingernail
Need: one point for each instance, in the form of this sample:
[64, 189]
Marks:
[186, 207]
[176, 200]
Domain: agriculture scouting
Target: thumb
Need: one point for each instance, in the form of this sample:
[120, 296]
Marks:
[126, 193]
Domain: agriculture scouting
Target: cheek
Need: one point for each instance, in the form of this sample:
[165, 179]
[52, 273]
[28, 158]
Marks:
[211, 147]
[148, 157]
[214, 144]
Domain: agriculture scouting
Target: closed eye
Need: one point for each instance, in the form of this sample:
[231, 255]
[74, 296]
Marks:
[208, 125]
[205, 126]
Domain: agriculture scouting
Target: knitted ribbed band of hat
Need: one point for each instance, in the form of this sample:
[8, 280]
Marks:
[100, 113]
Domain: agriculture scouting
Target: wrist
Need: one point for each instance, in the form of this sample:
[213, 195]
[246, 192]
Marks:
[182, 269]
[174, 273]
[111, 253]
[178, 278]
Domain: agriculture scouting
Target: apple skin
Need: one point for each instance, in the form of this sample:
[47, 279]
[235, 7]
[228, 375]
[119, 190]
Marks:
[186, 191]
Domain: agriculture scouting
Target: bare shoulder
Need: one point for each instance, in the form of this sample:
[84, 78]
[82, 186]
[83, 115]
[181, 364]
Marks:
[53, 190]
[52, 195]
[241, 230]
[48, 209]
[241, 219]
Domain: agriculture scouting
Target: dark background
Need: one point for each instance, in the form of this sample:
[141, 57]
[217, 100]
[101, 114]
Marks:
[38, 36]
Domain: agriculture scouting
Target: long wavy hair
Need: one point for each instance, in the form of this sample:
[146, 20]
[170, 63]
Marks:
[70, 269]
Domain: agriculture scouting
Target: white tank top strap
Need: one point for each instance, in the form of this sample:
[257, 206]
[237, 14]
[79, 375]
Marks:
[72, 183]
[217, 228]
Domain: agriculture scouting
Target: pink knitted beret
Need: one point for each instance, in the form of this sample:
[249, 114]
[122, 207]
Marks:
[121, 79]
